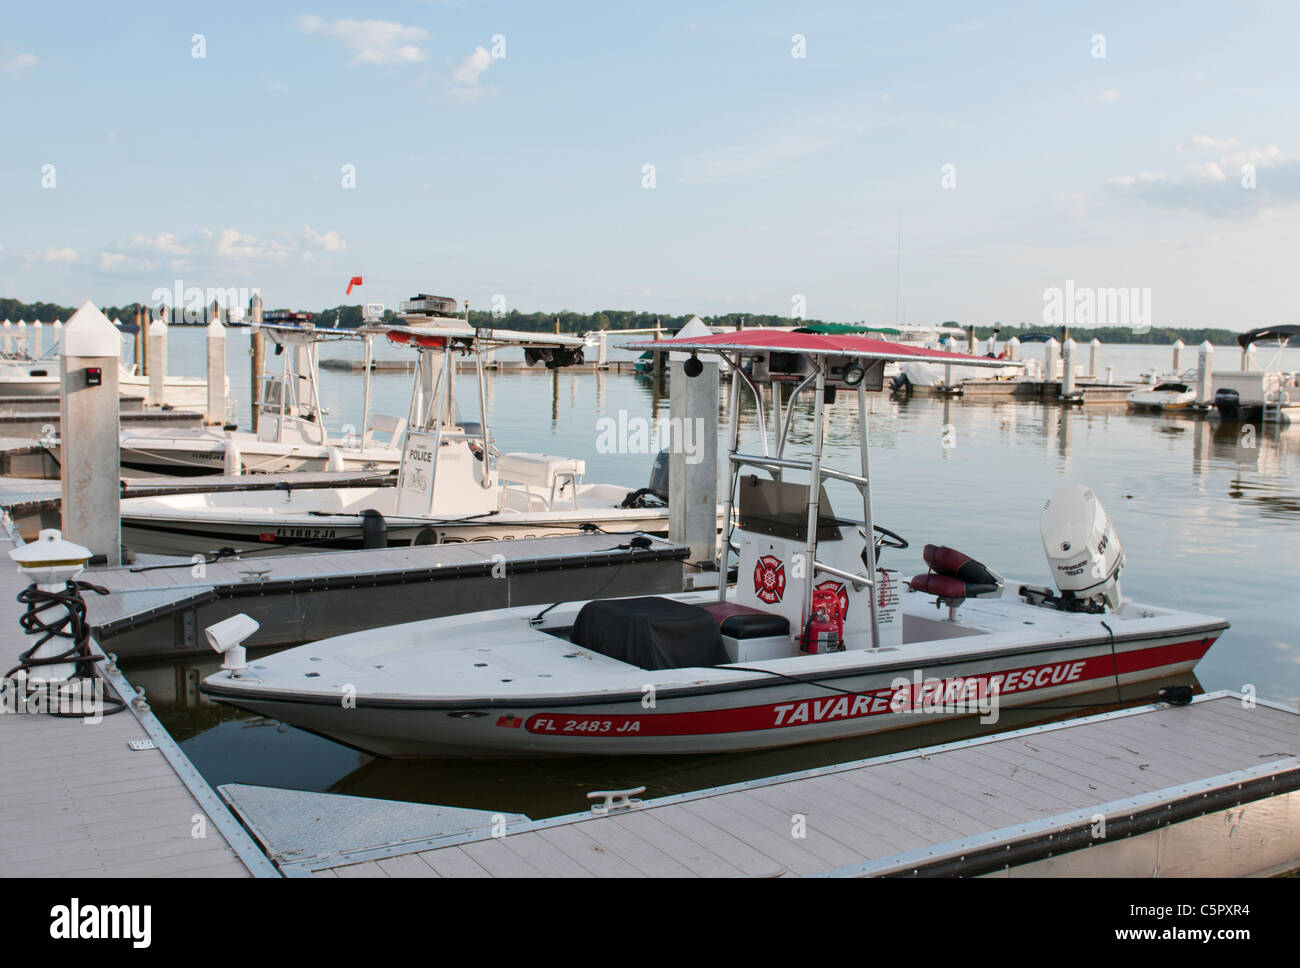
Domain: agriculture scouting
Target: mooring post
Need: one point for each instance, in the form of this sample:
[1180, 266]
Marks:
[1178, 355]
[1013, 348]
[603, 349]
[1204, 378]
[693, 457]
[1094, 354]
[9, 338]
[1051, 350]
[137, 341]
[255, 349]
[216, 372]
[37, 326]
[88, 418]
[1067, 368]
[157, 362]
[23, 349]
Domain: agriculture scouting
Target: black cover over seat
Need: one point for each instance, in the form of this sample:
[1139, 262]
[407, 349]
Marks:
[653, 633]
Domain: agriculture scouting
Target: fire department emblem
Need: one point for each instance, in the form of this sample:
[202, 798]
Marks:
[841, 594]
[769, 579]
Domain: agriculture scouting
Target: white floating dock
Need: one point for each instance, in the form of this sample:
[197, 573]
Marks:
[79, 801]
[1108, 794]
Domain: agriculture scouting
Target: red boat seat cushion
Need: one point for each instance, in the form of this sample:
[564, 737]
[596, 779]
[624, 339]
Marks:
[953, 575]
[742, 622]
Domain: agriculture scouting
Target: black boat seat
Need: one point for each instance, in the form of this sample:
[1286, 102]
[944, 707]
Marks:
[953, 576]
[742, 622]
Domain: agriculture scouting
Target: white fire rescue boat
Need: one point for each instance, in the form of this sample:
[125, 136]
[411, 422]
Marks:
[815, 641]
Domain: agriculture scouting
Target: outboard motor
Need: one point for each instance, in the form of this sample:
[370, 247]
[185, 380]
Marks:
[1082, 548]
[1228, 403]
[659, 476]
[657, 492]
[900, 384]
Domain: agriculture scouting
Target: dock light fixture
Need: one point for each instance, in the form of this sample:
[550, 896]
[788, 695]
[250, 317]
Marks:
[51, 562]
[227, 637]
[693, 367]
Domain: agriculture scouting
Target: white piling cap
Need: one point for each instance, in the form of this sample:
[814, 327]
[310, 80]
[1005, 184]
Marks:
[694, 327]
[216, 330]
[157, 323]
[50, 551]
[88, 333]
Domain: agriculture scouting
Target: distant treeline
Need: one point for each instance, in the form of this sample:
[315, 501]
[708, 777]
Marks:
[620, 319]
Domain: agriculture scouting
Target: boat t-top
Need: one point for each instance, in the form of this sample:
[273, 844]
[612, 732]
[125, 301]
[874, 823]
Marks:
[816, 640]
[290, 432]
[452, 484]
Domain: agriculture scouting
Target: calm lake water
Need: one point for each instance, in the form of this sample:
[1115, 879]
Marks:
[1209, 517]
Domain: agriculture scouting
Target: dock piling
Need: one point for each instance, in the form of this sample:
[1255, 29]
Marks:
[1067, 369]
[1204, 377]
[88, 415]
[216, 372]
[157, 361]
[1051, 356]
[693, 458]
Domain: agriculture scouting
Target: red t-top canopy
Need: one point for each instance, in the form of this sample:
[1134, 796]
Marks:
[816, 344]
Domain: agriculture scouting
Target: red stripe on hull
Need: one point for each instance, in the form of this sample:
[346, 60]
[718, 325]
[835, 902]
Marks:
[875, 702]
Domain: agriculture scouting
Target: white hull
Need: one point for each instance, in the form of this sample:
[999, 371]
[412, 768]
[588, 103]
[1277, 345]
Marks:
[550, 698]
[160, 530]
[204, 452]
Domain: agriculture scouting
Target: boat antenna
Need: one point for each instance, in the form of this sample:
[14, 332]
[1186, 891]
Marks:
[898, 269]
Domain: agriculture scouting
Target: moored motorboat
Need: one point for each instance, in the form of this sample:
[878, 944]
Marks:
[452, 484]
[815, 641]
[291, 434]
[1165, 395]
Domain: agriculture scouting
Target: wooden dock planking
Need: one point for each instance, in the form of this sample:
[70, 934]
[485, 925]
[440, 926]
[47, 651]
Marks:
[873, 810]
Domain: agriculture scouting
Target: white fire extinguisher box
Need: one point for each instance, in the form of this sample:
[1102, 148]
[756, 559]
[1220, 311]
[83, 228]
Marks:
[889, 608]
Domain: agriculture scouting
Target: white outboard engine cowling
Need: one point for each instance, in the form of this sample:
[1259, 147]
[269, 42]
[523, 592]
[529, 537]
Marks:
[1082, 548]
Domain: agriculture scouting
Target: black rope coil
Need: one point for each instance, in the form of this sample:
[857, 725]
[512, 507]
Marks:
[70, 624]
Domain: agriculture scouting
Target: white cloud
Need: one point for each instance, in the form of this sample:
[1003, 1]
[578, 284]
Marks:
[328, 241]
[1203, 142]
[1112, 95]
[378, 42]
[1224, 187]
[57, 255]
[18, 63]
[466, 80]
[142, 253]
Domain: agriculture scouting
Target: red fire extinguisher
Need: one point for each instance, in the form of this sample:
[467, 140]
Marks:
[825, 630]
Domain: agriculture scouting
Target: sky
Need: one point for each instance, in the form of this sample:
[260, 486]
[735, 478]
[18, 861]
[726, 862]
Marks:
[667, 157]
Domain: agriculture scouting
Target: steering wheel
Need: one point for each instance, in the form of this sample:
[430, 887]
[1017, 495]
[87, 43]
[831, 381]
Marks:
[885, 539]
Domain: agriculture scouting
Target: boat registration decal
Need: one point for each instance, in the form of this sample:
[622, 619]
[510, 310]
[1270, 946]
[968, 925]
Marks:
[304, 533]
[769, 579]
[917, 694]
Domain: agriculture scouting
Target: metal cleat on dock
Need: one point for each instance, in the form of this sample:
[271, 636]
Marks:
[614, 800]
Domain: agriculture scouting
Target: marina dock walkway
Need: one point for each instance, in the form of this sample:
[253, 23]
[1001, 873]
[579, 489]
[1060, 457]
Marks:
[80, 801]
[971, 808]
